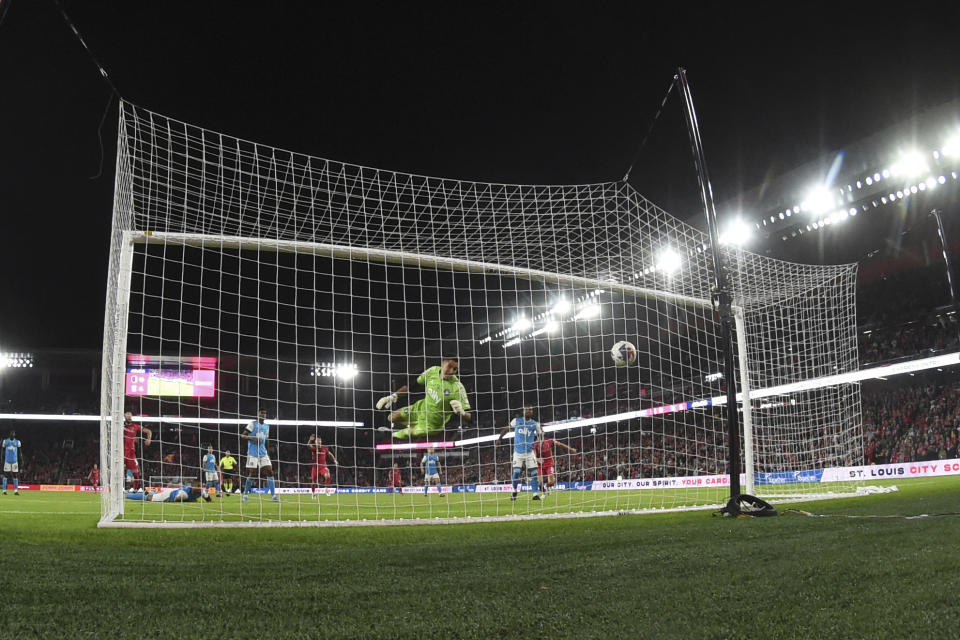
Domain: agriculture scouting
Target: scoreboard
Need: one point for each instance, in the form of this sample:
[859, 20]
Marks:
[178, 377]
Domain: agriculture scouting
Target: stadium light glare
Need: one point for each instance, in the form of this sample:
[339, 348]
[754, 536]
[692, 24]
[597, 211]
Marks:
[551, 326]
[818, 201]
[737, 233]
[347, 371]
[16, 360]
[521, 324]
[669, 261]
[951, 147]
[561, 306]
[910, 164]
[588, 312]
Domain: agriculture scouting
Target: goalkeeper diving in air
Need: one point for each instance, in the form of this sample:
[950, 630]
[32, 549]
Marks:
[445, 397]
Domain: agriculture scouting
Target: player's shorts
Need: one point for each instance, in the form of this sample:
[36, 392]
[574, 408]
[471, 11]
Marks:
[228, 472]
[211, 476]
[415, 417]
[546, 469]
[11, 467]
[258, 462]
[431, 476]
[318, 472]
[521, 459]
[131, 463]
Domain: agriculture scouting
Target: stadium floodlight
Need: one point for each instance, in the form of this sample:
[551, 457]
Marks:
[347, 372]
[669, 261]
[551, 326]
[16, 360]
[737, 233]
[521, 324]
[561, 306]
[951, 148]
[588, 312]
[910, 164]
[819, 200]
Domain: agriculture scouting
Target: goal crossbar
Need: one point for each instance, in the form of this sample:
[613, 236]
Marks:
[388, 256]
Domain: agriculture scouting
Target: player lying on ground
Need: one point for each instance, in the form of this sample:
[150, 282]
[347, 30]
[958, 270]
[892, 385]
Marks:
[174, 494]
[320, 469]
[430, 467]
[445, 396]
[526, 431]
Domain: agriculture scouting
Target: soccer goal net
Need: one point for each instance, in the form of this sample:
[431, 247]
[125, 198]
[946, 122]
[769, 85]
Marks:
[245, 277]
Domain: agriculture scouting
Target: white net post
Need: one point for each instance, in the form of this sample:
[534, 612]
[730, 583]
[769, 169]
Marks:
[745, 404]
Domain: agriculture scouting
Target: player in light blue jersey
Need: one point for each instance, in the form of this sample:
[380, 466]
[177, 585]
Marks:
[211, 476]
[11, 462]
[256, 435]
[430, 466]
[526, 432]
[190, 493]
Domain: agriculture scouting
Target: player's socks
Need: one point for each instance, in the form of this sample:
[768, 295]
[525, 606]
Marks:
[535, 483]
[247, 485]
[516, 480]
[272, 485]
[4, 485]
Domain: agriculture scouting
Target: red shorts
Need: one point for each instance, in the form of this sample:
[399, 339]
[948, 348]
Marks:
[546, 470]
[318, 472]
[131, 463]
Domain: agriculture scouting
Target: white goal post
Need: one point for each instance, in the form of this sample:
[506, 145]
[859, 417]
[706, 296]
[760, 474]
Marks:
[318, 287]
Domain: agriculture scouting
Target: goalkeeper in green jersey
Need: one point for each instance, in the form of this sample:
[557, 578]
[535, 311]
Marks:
[445, 396]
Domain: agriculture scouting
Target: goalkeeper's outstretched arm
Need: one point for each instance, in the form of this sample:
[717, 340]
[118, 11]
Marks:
[387, 401]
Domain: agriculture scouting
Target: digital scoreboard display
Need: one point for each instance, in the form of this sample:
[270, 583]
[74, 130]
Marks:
[170, 382]
[191, 377]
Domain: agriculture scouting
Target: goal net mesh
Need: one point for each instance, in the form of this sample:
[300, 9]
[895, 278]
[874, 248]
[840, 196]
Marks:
[312, 288]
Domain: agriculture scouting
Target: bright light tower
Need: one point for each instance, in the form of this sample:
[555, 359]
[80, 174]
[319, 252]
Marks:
[588, 311]
[910, 164]
[669, 261]
[951, 148]
[521, 324]
[819, 201]
[560, 307]
[736, 234]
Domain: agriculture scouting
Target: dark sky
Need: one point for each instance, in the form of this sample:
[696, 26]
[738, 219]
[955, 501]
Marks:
[515, 92]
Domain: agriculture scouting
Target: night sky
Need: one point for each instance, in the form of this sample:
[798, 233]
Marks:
[521, 92]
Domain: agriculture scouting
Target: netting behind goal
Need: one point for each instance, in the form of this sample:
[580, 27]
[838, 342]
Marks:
[319, 287]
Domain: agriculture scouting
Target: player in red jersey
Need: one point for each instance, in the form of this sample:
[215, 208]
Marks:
[320, 453]
[544, 451]
[94, 476]
[130, 431]
[395, 482]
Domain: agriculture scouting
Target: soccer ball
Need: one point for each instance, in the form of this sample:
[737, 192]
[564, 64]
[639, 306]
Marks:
[623, 353]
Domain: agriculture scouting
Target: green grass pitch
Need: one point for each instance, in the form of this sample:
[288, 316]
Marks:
[683, 575]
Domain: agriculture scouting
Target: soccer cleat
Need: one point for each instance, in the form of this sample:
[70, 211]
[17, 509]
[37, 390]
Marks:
[4, 493]
[514, 496]
[275, 499]
[246, 498]
[536, 496]
[17, 492]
